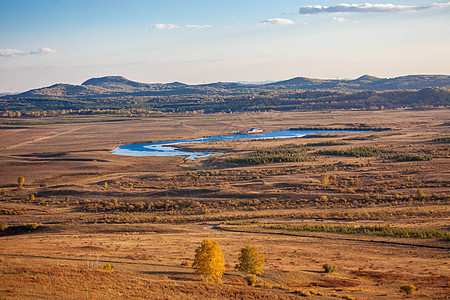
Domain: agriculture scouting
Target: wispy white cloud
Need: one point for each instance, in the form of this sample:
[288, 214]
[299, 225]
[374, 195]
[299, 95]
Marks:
[339, 20]
[176, 26]
[196, 26]
[276, 21]
[365, 8]
[11, 52]
[17, 52]
[42, 51]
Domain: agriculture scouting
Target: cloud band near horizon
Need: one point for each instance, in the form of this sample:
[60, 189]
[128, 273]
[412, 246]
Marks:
[365, 8]
[17, 52]
[161, 26]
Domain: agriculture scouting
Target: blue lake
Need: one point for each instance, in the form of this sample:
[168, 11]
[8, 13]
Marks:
[167, 148]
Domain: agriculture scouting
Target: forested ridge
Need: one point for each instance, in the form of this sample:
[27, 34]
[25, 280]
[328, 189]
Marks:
[118, 93]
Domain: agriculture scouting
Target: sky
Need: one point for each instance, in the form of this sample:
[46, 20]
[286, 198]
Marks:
[199, 41]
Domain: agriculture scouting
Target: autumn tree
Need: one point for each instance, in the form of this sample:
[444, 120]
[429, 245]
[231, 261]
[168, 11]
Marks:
[209, 260]
[20, 181]
[250, 260]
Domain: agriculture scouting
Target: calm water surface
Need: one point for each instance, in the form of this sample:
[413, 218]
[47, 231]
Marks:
[167, 148]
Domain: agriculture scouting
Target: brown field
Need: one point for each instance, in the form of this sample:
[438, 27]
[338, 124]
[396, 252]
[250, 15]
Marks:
[152, 213]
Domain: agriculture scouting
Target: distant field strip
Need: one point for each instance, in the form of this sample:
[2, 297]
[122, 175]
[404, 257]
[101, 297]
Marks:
[278, 230]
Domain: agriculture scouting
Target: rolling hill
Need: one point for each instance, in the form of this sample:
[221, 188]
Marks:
[116, 85]
[300, 93]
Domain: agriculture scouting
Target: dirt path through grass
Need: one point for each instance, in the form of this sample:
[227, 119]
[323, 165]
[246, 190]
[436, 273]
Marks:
[44, 138]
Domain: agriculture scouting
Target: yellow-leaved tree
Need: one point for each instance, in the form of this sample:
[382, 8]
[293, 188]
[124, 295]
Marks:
[250, 261]
[209, 260]
[20, 181]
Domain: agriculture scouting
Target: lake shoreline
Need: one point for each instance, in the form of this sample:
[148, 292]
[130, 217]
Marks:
[166, 148]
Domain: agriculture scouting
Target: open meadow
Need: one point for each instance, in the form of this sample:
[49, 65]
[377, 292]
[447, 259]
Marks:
[375, 204]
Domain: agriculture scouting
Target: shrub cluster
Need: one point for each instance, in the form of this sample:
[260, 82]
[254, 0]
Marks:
[329, 268]
[363, 151]
[285, 153]
[408, 157]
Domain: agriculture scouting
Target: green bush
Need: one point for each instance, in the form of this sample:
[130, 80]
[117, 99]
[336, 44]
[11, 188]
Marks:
[408, 288]
[329, 268]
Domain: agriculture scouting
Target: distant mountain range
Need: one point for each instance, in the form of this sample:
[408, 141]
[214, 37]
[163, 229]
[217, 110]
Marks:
[116, 93]
[119, 86]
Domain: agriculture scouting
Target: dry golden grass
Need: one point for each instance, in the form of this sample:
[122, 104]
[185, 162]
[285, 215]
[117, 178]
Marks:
[154, 211]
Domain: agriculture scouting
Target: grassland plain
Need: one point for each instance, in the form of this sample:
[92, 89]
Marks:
[146, 215]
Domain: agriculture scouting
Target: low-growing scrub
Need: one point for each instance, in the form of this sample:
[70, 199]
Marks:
[408, 288]
[329, 268]
[31, 226]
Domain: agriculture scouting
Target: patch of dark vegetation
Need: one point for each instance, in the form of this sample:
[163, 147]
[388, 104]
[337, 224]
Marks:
[334, 283]
[408, 157]
[385, 230]
[285, 153]
[365, 151]
[22, 229]
[362, 138]
[445, 139]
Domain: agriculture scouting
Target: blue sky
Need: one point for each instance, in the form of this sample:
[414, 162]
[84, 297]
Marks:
[50, 41]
